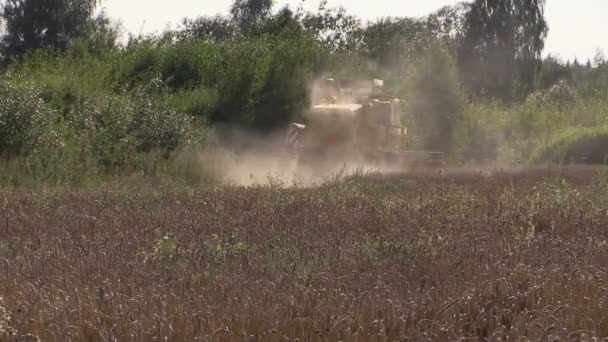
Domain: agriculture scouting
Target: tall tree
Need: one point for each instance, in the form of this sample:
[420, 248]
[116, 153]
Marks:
[390, 41]
[211, 29]
[334, 27]
[249, 13]
[448, 25]
[35, 24]
[502, 45]
[553, 71]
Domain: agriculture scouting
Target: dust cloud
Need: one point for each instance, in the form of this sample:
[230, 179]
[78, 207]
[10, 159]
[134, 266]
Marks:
[250, 158]
[263, 164]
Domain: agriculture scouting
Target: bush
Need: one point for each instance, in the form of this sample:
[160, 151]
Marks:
[54, 74]
[198, 103]
[140, 64]
[104, 124]
[283, 92]
[27, 123]
[479, 134]
[257, 83]
[158, 126]
[561, 94]
[66, 134]
[521, 132]
[188, 65]
[576, 145]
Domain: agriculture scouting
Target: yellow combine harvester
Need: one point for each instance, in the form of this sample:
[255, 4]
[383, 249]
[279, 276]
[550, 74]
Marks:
[353, 123]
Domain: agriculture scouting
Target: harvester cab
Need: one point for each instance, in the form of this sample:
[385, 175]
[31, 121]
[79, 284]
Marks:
[353, 121]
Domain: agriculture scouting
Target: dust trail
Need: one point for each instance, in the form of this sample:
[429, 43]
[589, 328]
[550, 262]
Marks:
[263, 168]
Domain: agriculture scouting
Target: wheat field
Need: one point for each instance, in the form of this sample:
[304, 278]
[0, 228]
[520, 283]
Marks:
[517, 256]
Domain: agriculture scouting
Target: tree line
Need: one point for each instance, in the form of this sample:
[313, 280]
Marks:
[497, 44]
[472, 76]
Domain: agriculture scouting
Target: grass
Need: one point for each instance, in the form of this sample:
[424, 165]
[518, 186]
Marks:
[509, 255]
[576, 145]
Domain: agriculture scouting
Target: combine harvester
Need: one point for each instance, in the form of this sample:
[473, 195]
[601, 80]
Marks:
[353, 125]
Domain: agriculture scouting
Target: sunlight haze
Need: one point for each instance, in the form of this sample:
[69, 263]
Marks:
[576, 28]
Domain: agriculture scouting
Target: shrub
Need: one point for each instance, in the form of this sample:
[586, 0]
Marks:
[521, 132]
[104, 124]
[140, 63]
[478, 133]
[576, 145]
[198, 103]
[158, 126]
[27, 123]
[561, 94]
[188, 65]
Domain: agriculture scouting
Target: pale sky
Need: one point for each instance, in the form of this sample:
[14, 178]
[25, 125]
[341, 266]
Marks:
[577, 28]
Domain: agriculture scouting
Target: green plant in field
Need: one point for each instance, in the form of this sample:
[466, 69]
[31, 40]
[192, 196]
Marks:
[166, 248]
[406, 250]
[214, 247]
[240, 246]
[219, 250]
[305, 274]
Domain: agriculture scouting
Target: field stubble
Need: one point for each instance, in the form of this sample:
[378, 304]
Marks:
[455, 256]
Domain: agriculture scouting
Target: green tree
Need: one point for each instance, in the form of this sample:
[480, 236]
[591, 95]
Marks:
[552, 71]
[334, 27]
[598, 78]
[390, 41]
[502, 46]
[250, 13]
[448, 25]
[36, 24]
[212, 29]
[284, 22]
